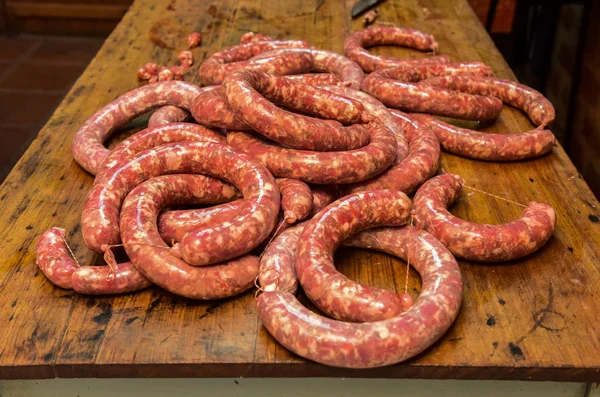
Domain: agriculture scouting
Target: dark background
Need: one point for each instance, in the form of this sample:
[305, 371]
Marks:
[551, 46]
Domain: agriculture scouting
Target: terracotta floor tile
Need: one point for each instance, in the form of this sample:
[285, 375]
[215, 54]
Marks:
[25, 108]
[42, 77]
[58, 49]
[13, 48]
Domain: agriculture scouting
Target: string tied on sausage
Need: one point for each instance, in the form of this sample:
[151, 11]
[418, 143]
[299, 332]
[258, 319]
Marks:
[111, 261]
[259, 289]
[406, 298]
[70, 250]
[493, 195]
[443, 171]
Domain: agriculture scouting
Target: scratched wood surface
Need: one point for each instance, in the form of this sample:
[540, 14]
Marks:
[534, 318]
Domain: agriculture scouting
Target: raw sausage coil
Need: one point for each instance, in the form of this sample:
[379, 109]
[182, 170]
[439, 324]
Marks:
[87, 146]
[210, 109]
[479, 242]
[408, 174]
[397, 88]
[534, 104]
[380, 343]
[242, 91]
[174, 224]
[155, 136]
[355, 44]
[277, 264]
[327, 288]
[167, 115]
[152, 257]
[214, 69]
[101, 209]
[296, 199]
[61, 269]
[490, 147]
[322, 167]
[316, 79]
[327, 62]
[378, 111]
[322, 197]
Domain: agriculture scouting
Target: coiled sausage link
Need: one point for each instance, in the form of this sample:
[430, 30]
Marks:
[421, 163]
[534, 104]
[380, 343]
[296, 199]
[155, 136]
[152, 257]
[355, 44]
[55, 262]
[490, 147]
[479, 242]
[214, 69]
[210, 109]
[241, 92]
[87, 146]
[167, 115]
[322, 167]
[322, 197]
[316, 79]
[277, 265]
[327, 62]
[101, 209]
[397, 88]
[327, 288]
[174, 224]
[378, 111]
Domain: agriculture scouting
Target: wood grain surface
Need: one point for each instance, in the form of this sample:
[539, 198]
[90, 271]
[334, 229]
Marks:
[534, 318]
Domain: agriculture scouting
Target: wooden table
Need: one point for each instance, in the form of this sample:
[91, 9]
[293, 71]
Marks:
[531, 319]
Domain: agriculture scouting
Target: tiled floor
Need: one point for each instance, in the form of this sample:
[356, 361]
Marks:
[35, 74]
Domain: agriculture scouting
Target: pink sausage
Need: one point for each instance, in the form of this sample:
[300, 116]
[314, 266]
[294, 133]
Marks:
[87, 146]
[538, 108]
[209, 109]
[99, 221]
[53, 258]
[167, 115]
[421, 163]
[102, 280]
[489, 147]
[322, 167]
[155, 136]
[152, 257]
[173, 225]
[381, 113]
[296, 199]
[322, 197]
[215, 68]
[316, 79]
[355, 44]
[474, 241]
[376, 344]
[328, 62]
[396, 88]
[61, 269]
[327, 288]
[243, 91]
[277, 263]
